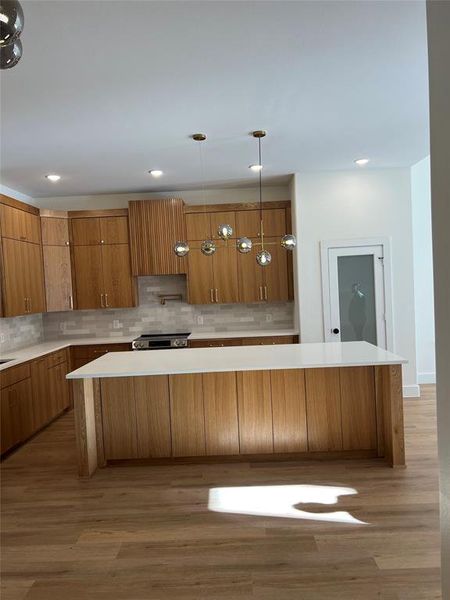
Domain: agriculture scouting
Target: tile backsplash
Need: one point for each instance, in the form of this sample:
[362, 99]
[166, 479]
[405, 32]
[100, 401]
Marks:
[176, 315]
[18, 332]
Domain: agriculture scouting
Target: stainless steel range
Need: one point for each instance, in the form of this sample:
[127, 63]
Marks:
[161, 341]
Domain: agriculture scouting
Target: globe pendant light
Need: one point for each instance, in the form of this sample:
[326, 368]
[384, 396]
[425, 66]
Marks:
[208, 247]
[263, 258]
[288, 241]
[10, 54]
[11, 27]
[225, 231]
[244, 245]
[181, 248]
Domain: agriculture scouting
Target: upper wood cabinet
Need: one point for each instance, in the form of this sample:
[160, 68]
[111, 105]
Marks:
[155, 226]
[22, 272]
[248, 222]
[91, 230]
[213, 279]
[20, 224]
[101, 260]
[204, 225]
[57, 263]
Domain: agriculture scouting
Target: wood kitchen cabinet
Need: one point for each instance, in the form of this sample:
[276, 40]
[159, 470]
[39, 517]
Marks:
[101, 261]
[204, 225]
[57, 262]
[213, 279]
[16, 414]
[22, 270]
[248, 223]
[155, 226]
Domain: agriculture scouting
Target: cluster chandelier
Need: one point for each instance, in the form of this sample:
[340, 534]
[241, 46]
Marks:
[244, 244]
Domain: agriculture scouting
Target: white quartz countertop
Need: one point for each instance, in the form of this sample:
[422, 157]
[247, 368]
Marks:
[236, 358]
[37, 350]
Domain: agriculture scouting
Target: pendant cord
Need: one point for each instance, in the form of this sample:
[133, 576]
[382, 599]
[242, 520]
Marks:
[260, 194]
[203, 170]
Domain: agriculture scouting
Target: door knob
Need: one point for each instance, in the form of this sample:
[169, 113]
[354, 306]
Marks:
[335, 330]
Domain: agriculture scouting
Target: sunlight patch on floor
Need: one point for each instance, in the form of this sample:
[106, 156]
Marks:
[281, 501]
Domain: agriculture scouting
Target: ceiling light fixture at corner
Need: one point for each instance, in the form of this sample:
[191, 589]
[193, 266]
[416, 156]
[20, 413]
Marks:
[361, 161]
[155, 173]
[256, 168]
[53, 178]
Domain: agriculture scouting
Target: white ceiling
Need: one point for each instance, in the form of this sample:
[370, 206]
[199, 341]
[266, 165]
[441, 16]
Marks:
[107, 90]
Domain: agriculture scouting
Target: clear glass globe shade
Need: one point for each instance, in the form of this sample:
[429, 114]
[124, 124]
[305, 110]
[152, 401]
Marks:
[289, 241]
[208, 247]
[181, 248]
[244, 245]
[225, 231]
[263, 258]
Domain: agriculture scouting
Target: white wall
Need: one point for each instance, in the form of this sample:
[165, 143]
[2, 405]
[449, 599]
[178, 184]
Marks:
[423, 271]
[357, 204]
[210, 196]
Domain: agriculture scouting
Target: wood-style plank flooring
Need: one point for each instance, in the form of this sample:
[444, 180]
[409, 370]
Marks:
[145, 533]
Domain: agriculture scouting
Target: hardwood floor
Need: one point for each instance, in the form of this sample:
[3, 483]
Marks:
[145, 533]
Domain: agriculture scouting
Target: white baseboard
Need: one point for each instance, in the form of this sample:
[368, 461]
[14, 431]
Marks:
[411, 391]
[426, 377]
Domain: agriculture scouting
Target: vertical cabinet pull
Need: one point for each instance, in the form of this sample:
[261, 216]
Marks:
[71, 302]
[265, 292]
[217, 295]
[29, 305]
[101, 301]
[211, 294]
[25, 304]
[260, 292]
[106, 301]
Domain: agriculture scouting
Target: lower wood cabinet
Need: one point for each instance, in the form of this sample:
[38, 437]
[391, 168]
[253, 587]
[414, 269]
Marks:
[81, 355]
[240, 413]
[251, 341]
[16, 414]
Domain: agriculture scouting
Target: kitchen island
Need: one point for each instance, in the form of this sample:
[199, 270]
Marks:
[294, 401]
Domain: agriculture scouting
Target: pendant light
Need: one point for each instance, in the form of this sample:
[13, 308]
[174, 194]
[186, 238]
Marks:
[11, 27]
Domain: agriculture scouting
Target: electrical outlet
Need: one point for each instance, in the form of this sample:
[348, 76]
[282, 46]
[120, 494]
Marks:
[199, 320]
[116, 324]
[269, 318]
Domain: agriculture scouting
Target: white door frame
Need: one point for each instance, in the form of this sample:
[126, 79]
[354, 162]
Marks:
[325, 246]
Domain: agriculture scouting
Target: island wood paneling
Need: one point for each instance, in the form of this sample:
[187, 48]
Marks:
[153, 416]
[359, 425]
[323, 408]
[221, 415]
[390, 407]
[255, 412]
[289, 410]
[187, 415]
[119, 418]
[155, 226]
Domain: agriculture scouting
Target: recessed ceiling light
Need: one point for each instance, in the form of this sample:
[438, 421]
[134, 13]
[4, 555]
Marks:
[361, 161]
[256, 168]
[156, 173]
[53, 178]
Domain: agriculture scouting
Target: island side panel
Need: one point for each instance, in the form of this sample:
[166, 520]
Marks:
[85, 426]
[390, 380]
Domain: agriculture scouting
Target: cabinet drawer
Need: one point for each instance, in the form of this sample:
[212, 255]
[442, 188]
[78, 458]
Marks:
[268, 340]
[57, 357]
[215, 343]
[93, 351]
[14, 374]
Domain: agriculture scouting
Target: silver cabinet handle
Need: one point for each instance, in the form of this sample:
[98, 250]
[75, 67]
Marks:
[217, 295]
[25, 301]
[71, 302]
[260, 292]
[101, 301]
[265, 292]
[106, 301]
[211, 294]
[29, 305]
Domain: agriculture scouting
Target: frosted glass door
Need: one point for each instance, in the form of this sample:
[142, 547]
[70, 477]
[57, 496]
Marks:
[356, 293]
[356, 288]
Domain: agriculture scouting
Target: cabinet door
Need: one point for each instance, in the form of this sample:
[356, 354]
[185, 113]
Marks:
[41, 393]
[187, 415]
[155, 226]
[248, 222]
[119, 418]
[323, 409]
[85, 231]
[8, 434]
[59, 389]
[255, 412]
[289, 410]
[268, 340]
[15, 292]
[87, 263]
[153, 416]
[200, 278]
[223, 218]
[250, 277]
[359, 422]
[20, 224]
[18, 412]
[55, 231]
[225, 274]
[198, 226]
[58, 278]
[221, 418]
[114, 230]
[35, 278]
[276, 274]
[117, 279]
